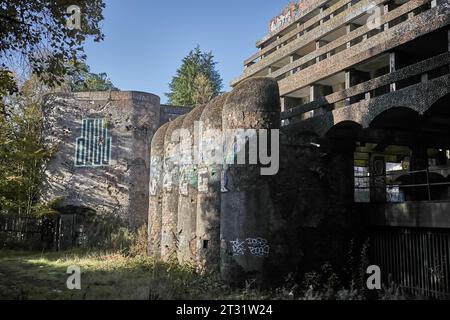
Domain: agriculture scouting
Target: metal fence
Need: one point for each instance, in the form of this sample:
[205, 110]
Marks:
[418, 260]
[29, 232]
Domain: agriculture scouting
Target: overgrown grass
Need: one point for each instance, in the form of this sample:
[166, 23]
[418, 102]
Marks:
[104, 276]
[115, 275]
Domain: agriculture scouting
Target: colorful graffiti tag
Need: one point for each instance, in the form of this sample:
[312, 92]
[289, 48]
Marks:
[93, 148]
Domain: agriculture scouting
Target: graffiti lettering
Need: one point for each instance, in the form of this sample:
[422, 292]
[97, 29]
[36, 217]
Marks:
[258, 247]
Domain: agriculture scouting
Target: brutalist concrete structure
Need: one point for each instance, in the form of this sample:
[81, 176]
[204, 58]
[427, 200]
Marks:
[155, 192]
[187, 200]
[171, 187]
[209, 188]
[246, 202]
[365, 95]
[102, 151]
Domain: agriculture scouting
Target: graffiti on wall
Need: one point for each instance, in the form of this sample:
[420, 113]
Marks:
[93, 148]
[258, 247]
[155, 175]
[288, 15]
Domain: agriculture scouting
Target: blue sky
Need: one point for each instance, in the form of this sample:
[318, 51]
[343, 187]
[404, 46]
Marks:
[145, 40]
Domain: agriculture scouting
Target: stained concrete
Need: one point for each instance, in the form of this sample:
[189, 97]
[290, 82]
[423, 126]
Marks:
[187, 200]
[169, 236]
[209, 195]
[155, 194]
[246, 202]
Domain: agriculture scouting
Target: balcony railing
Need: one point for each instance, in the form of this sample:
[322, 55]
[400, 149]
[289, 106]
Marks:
[419, 70]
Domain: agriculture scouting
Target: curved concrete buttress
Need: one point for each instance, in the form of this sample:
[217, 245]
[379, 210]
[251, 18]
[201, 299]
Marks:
[169, 237]
[208, 198]
[187, 200]
[155, 191]
[246, 204]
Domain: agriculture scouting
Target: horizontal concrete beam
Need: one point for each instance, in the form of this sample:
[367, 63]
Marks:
[426, 214]
[404, 73]
[297, 31]
[362, 31]
[331, 25]
[415, 27]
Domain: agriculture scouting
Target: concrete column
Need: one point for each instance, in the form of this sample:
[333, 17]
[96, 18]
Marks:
[321, 11]
[320, 44]
[349, 28]
[385, 11]
[187, 199]
[377, 169]
[209, 198]
[246, 202]
[155, 193]
[392, 68]
[169, 238]
[352, 78]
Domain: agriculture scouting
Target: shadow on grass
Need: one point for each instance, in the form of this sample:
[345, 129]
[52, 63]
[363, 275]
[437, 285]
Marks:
[104, 276]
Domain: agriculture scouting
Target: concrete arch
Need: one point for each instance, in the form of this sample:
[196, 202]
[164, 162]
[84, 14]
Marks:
[419, 97]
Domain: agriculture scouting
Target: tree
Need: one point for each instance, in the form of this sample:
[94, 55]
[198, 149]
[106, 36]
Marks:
[79, 79]
[196, 81]
[35, 32]
[22, 150]
[203, 90]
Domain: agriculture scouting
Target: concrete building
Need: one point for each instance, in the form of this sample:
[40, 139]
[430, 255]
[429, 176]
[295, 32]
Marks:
[102, 153]
[365, 95]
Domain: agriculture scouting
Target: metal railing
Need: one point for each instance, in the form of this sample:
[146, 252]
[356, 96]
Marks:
[418, 260]
[428, 184]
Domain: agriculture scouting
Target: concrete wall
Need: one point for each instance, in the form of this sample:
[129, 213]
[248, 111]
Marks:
[120, 133]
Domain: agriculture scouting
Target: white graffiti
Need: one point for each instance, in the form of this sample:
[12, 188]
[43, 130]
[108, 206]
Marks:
[238, 247]
[258, 247]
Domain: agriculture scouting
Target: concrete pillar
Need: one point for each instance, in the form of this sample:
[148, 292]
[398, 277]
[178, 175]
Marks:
[352, 78]
[169, 237]
[208, 198]
[155, 193]
[246, 194]
[392, 68]
[187, 200]
[349, 28]
[377, 169]
[320, 44]
[317, 91]
[386, 11]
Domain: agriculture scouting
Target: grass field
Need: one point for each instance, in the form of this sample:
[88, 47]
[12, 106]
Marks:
[25, 275]
[104, 276]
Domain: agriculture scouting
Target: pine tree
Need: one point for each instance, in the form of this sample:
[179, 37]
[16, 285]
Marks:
[188, 88]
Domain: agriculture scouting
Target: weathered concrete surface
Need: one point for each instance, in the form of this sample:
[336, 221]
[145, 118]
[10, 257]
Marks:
[314, 220]
[155, 194]
[208, 199]
[246, 202]
[419, 97]
[187, 200]
[170, 113]
[119, 186]
[169, 236]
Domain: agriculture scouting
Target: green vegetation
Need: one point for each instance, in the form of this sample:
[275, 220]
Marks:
[47, 46]
[197, 81]
[107, 275]
[80, 79]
